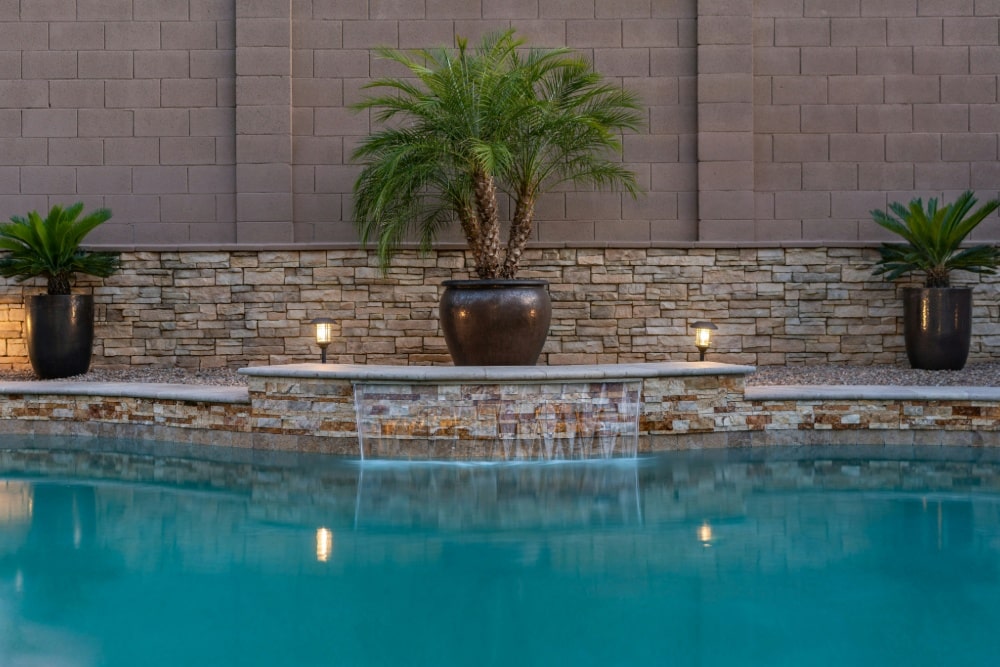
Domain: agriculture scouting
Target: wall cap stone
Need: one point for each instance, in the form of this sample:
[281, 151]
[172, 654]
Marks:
[440, 246]
[870, 392]
[496, 374]
[151, 390]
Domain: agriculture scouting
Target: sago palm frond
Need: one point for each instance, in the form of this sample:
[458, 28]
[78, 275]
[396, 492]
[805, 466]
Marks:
[934, 236]
[50, 247]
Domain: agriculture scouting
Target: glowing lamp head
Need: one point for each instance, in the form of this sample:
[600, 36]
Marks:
[703, 337]
[324, 334]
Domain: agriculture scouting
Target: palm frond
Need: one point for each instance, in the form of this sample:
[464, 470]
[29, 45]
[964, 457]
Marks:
[50, 247]
[934, 236]
[526, 120]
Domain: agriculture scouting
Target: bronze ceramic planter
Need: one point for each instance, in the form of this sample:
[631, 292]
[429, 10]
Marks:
[59, 331]
[495, 322]
[937, 326]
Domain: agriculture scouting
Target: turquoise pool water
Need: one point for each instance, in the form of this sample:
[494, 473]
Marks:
[733, 558]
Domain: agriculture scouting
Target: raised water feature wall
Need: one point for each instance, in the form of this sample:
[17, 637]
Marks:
[556, 420]
[499, 412]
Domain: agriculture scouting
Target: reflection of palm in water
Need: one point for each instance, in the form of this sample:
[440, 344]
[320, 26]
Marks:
[63, 516]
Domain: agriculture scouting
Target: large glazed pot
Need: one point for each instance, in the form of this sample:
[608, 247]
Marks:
[60, 334]
[937, 325]
[495, 322]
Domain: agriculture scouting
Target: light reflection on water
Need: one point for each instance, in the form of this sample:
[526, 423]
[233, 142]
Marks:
[720, 558]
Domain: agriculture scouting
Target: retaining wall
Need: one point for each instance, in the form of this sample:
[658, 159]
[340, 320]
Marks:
[311, 408]
[612, 305]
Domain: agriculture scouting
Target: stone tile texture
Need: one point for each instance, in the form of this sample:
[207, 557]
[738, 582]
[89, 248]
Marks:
[773, 306]
[500, 420]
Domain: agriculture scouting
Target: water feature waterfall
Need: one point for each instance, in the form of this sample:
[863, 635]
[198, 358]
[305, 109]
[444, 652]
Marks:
[522, 421]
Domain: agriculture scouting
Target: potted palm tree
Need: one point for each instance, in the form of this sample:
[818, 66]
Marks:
[59, 326]
[469, 126]
[937, 318]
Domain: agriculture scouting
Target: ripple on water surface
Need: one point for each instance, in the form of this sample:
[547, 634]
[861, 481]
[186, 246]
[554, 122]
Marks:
[788, 557]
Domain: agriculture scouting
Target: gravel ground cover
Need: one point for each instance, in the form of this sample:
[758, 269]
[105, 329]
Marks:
[214, 376]
[979, 375]
[973, 375]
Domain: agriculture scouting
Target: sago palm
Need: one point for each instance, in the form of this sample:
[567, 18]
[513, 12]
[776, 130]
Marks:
[50, 247]
[933, 239]
[474, 123]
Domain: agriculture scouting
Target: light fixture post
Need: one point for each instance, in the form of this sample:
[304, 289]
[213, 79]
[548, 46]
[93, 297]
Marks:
[703, 337]
[324, 334]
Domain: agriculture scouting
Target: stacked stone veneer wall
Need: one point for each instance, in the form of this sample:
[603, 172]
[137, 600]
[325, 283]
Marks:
[528, 420]
[772, 306]
[493, 420]
[318, 415]
[692, 412]
[205, 423]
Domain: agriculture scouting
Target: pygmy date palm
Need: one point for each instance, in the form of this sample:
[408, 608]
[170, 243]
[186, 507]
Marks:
[50, 247]
[933, 238]
[471, 124]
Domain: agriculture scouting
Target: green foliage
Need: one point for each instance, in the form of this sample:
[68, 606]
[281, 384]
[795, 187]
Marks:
[50, 247]
[933, 238]
[468, 124]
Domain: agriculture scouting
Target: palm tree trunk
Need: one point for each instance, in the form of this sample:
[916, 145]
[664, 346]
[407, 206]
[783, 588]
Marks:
[520, 230]
[938, 276]
[58, 284]
[470, 227]
[489, 225]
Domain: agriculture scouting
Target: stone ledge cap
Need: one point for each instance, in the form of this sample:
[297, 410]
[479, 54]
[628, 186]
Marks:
[870, 392]
[496, 374]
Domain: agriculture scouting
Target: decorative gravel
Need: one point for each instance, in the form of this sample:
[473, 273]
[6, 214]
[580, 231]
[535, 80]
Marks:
[214, 376]
[973, 375]
[977, 375]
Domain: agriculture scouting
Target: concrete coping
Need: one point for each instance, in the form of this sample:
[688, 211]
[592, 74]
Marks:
[151, 390]
[870, 392]
[496, 374]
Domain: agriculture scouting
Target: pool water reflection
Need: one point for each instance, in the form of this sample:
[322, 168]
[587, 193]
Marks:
[787, 557]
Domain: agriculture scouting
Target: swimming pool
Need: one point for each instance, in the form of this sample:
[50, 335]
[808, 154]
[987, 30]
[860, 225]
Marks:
[787, 557]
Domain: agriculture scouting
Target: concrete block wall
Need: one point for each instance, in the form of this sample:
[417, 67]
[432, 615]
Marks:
[127, 105]
[861, 103]
[216, 123]
[211, 123]
[648, 46]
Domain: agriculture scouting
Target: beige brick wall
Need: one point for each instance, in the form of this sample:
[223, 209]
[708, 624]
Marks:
[128, 105]
[216, 123]
[861, 103]
[649, 47]
[210, 123]
[772, 306]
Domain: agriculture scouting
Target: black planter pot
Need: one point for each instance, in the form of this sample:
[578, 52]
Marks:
[59, 330]
[937, 325]
[495, 322]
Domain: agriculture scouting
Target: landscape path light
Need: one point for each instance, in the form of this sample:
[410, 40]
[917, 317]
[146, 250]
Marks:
[703, 337]
[324, 334]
